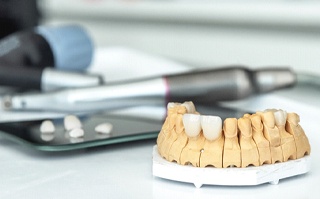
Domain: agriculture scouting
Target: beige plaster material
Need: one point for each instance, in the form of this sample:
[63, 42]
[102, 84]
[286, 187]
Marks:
[180, 142]
[262, 143]
[167, 130]
[212, 153]
[300, 138]
[231, 151]
[288, 145]
[253, 140]
[272, 134]
[249, 151]
[191, 152]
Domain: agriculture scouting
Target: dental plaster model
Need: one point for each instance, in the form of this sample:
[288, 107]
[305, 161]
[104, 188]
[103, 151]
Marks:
[213, 145]
[300, 138]
[259, 140]
[272, 134]
[262, 143]
[249, 150]
[231, 150]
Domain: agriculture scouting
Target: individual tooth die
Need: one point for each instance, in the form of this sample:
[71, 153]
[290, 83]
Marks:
[231, 151]
[249, 151]
[191, 152]
[213, 145]
[272, 134]
[288, 144]
[261, 142]
[181, 141]
[300, 138]
[71, 122]
[172, 134]
[167, 127]
[47, 127]
[171, 110]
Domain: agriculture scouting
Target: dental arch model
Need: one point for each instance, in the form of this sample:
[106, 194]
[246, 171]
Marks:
[256, 139]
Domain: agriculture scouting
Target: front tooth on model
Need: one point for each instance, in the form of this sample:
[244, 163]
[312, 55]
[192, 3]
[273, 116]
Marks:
[211, 126]
[280, 117]
[191, 123]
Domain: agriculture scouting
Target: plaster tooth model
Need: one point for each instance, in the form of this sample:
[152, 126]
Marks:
[191, 152]
[300, 138]
[179, 142]
[272, 134]
[256, 139]
[249, 151]
[288, 144]
[168, 130]
[231, 151]
[175, 129]
[262, 143]
[213, 145]
[172, 130]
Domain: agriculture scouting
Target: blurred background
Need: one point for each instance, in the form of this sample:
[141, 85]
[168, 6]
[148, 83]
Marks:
[201, 33]
[137, 38]
[196, 33]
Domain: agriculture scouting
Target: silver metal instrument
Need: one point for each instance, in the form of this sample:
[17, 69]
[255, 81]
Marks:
[200, 86]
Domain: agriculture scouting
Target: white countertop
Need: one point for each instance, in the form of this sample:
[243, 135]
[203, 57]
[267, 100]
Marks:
[125, 170]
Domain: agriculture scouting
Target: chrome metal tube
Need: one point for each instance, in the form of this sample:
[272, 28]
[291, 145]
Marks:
[108, 97]
[206, 87]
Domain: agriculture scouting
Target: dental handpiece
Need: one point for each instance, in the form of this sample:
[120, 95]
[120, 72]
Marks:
[205, 87]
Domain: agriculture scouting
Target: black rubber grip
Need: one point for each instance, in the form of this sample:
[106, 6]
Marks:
[26, 48]
[21, 77]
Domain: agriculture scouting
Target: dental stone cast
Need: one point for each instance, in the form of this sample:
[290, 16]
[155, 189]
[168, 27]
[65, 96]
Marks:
[267, 137]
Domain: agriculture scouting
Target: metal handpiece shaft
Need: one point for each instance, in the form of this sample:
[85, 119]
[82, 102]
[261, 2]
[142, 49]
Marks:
[207, 86]
[229, 83]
